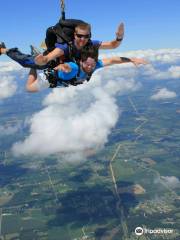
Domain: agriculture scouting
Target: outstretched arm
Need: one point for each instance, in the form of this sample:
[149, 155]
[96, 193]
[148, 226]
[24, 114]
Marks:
[64, 67]
[119, 60]
[43, 60]
[114, 43]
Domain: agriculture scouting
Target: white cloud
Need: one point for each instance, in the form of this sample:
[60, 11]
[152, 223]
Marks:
[9, 67]
[77, 118]
[174, 71]
[163, 64]
[162, 94]
[8, 85]
[171, 181]
[163, 56]
[9, 130]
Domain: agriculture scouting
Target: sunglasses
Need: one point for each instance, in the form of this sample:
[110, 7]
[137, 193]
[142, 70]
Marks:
[83, 36]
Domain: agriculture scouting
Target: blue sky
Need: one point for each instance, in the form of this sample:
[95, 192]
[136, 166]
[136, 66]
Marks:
[149, 23]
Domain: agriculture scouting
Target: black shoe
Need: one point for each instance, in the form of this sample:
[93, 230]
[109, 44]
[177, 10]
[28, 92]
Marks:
[2, 45]
[34, 51]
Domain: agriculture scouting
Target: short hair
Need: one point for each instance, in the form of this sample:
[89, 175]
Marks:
[83, 26]
[89, 51]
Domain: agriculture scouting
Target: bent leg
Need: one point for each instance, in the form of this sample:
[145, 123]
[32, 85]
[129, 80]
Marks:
[36, 84]
[25, 60]
[31, 84]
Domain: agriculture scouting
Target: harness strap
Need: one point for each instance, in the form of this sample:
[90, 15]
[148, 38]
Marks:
[88, 77]
[53, 79]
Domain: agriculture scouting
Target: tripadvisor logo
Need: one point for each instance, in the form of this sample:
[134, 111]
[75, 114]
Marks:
[140, 231]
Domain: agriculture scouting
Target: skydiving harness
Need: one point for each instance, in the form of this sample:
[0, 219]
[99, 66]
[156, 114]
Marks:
[52, 75]
[54, 80]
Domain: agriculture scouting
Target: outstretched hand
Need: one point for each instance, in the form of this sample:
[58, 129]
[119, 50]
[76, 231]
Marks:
[120, 31]
[138, 61]
[63, 67]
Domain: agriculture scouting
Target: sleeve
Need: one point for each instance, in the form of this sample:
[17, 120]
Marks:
[73, 73]
[96, 43]
[63, 46]
[99, 64]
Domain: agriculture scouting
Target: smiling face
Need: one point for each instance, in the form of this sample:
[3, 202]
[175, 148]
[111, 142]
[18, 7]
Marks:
[81, 35]
[89, 58]
[88, 65]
